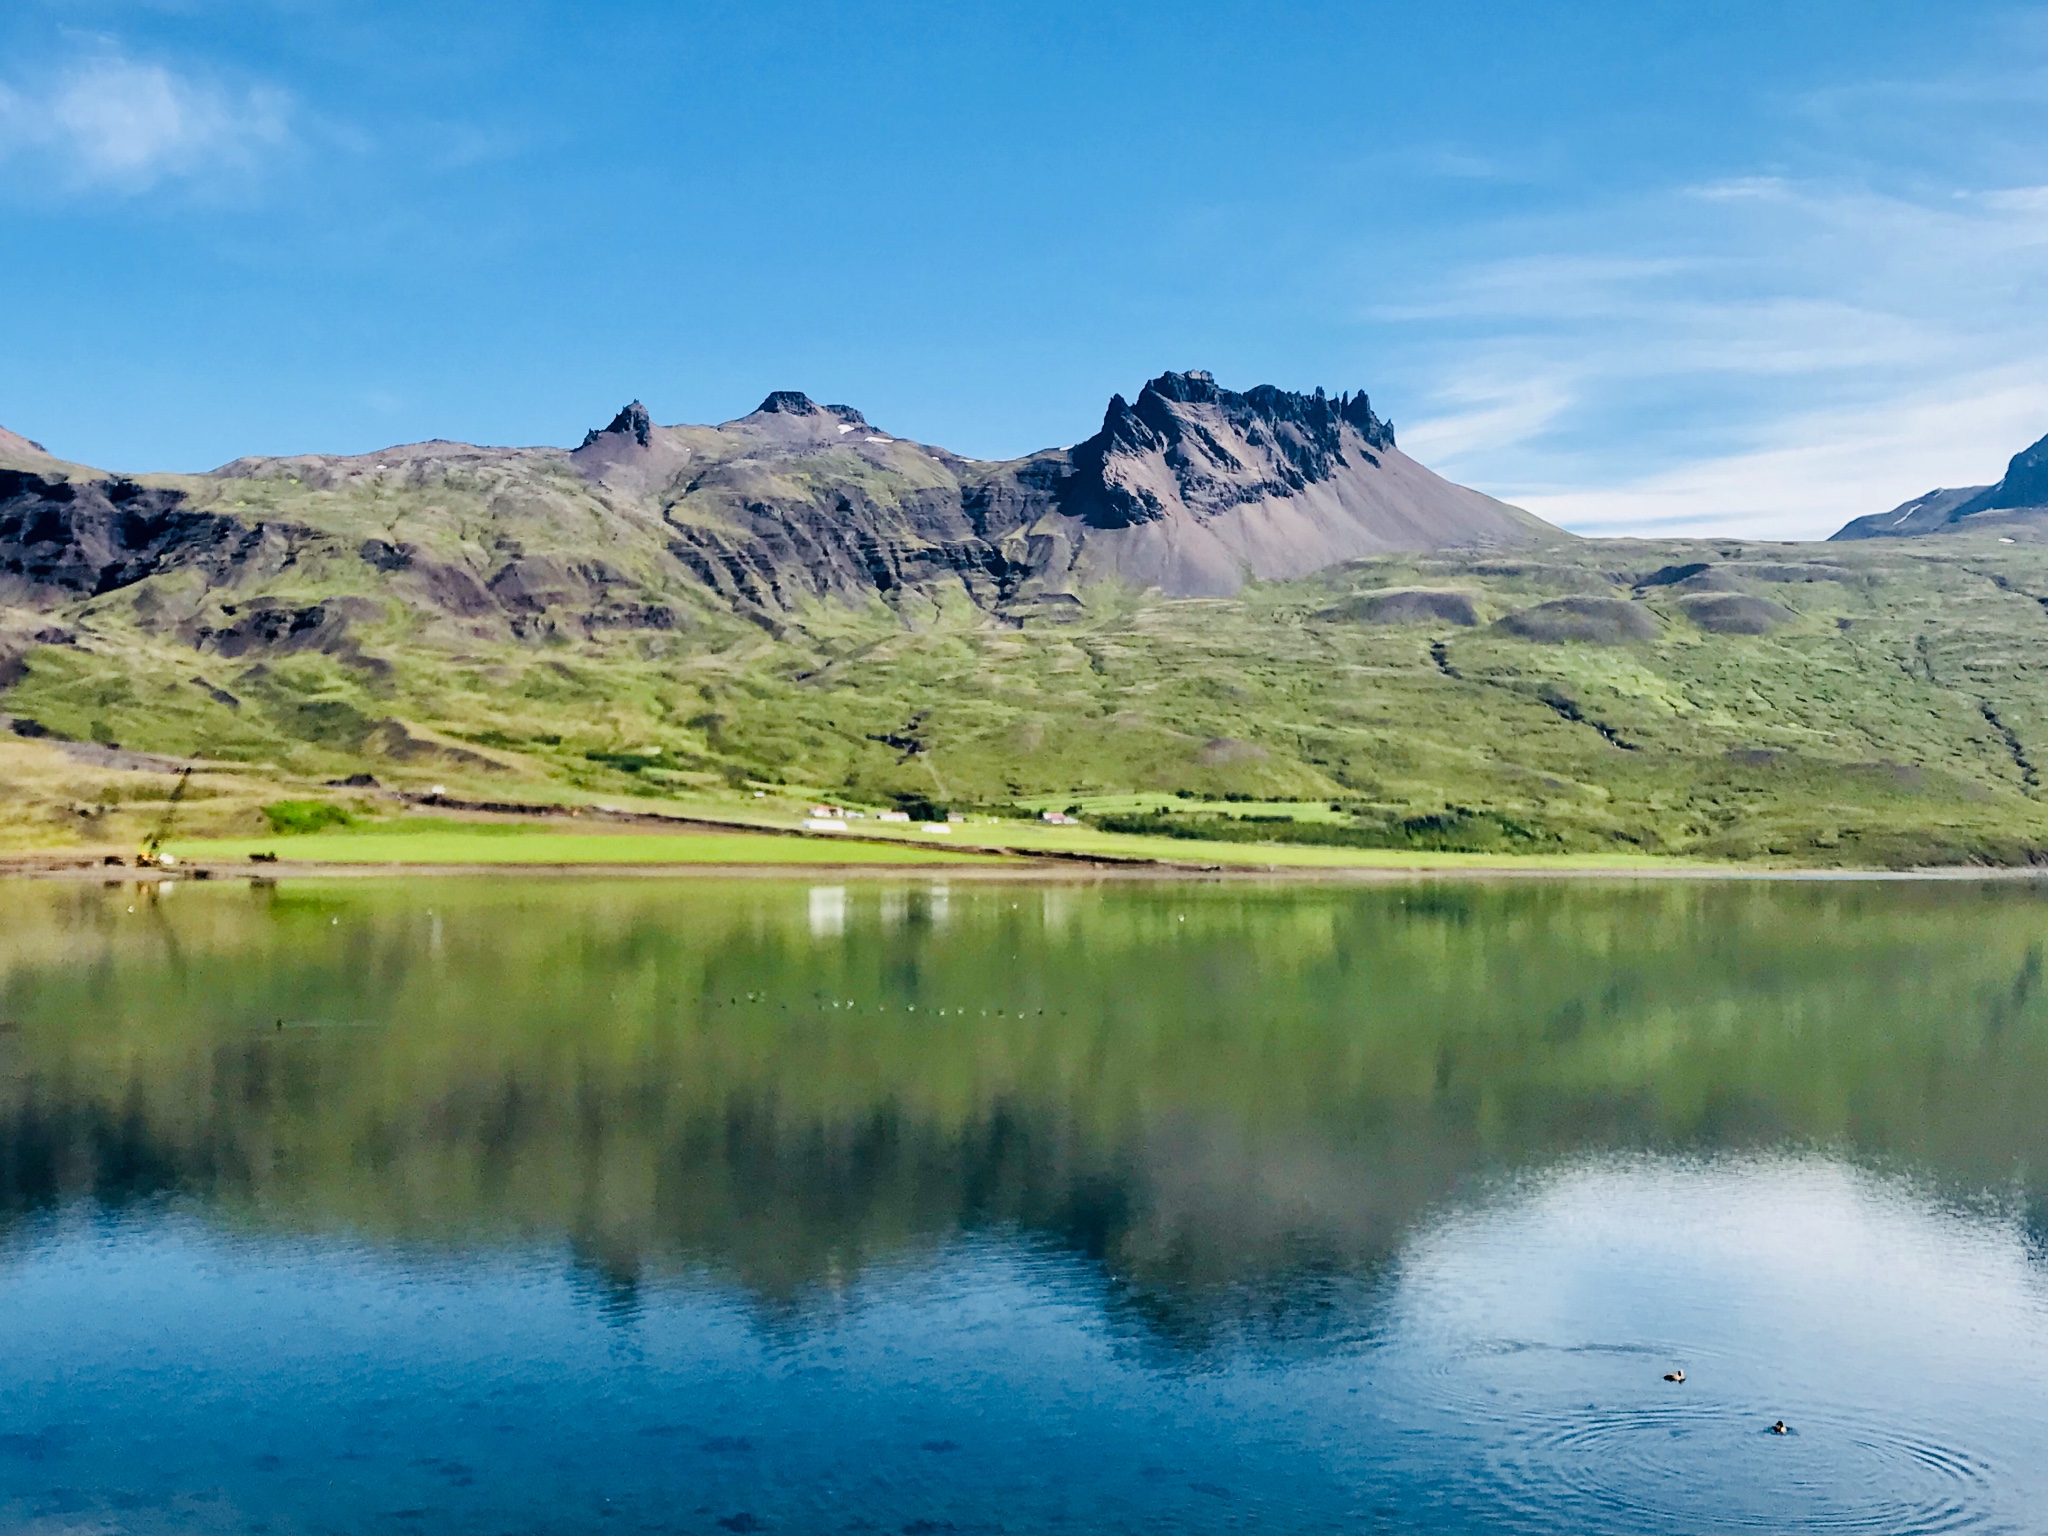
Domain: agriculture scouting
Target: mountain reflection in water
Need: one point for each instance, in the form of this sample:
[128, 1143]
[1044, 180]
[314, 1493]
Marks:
[1392, 1200]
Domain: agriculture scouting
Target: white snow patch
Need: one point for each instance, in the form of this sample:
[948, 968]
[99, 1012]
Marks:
[881, 439]
[844, 430]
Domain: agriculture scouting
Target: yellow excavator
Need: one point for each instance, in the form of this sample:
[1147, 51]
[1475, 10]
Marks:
[152, 855]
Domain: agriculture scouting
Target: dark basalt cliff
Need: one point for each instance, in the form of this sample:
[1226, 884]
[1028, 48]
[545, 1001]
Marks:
[61, 540]
[1190, 488]
[2025, 484]
[1297, 440]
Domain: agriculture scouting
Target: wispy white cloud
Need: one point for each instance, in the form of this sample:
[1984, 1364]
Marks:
[1814, 472]
[1770, 356]
[111, 122]
[1549, 287]
[1486, 414]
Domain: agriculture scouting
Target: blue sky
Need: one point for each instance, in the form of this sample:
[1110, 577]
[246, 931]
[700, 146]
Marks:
[1748, 268]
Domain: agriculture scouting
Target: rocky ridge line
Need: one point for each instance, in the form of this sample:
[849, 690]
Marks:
[1190, 488]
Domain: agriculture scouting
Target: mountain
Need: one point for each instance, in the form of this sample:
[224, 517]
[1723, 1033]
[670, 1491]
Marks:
[1190, 490]
[798, 599]
[2024, 490]
[16, 449]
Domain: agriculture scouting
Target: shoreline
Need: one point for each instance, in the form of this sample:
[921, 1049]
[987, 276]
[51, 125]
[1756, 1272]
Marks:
[1025, 869]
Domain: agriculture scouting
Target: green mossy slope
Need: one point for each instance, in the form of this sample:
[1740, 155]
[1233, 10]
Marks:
[1601, 695]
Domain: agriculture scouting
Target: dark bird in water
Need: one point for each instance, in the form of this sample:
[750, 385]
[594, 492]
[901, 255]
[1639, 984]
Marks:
[1674, 1375]
[1779, 1428]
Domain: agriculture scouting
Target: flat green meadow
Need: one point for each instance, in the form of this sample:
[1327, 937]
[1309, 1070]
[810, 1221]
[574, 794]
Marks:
[528, 844]
[428, 842]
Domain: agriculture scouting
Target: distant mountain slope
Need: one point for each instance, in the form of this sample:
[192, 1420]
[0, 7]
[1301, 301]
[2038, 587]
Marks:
[1190, 490]
[17, 450]
[2023, 490]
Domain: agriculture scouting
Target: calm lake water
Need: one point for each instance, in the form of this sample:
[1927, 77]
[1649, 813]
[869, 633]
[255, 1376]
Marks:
[750, 1206]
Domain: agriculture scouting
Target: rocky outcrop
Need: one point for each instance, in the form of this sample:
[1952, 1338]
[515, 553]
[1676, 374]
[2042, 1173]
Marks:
[268, 626]
[632, 422]
[64, 539]
[849, 549]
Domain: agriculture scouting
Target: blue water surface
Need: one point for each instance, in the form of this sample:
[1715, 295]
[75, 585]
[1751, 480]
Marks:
[570, 1270]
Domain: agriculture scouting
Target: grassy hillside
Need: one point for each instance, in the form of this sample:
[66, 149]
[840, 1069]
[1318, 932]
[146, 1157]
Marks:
[1868, 703]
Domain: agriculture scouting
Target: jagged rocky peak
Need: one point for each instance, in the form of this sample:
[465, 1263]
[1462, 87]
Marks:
[1307, 428]
[1314, 413]
[794, 402]
[633, 422]
[1222, 447]
[632, 456]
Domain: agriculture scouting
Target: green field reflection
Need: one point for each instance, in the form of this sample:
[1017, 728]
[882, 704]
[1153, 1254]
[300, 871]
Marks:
[1212, 1092]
